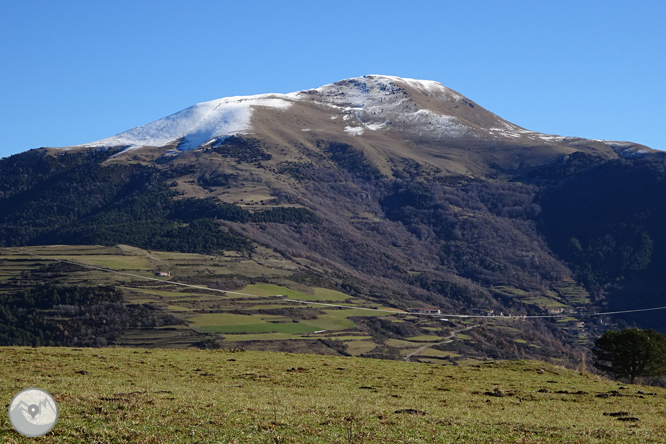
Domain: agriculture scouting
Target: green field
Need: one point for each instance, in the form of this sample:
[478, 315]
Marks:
[575, 294]
[350, 338]
[234, 323]
[513, 291]
[164, 293]
[232, 338]
[190, 396]
[208, 312]
[291, 328]
[437, 353]
[543, 301]
[548, 300]
[425, 338]
[333, 319]
[324, 294]
[114, 262]
[318, 294]
[357, 348]
[178, 308]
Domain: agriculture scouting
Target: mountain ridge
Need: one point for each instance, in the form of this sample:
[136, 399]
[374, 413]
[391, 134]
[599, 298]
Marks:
[385, 116]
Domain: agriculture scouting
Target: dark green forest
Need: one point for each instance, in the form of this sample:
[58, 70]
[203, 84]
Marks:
[608, 223]
[73, 199]
[75, 316]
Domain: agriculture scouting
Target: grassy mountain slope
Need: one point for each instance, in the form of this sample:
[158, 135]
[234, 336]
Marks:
[166, 396]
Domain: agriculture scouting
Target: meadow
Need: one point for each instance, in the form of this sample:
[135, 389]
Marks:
[123, 395]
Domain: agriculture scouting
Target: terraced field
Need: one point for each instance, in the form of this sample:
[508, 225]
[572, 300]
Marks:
[237, 301]
[262, 314]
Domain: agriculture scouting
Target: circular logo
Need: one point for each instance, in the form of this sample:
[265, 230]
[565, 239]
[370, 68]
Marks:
[33, 412]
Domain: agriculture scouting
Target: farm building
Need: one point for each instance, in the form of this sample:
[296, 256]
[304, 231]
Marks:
[427, 311]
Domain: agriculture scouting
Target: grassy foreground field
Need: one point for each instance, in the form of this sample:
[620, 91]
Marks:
[194, 396]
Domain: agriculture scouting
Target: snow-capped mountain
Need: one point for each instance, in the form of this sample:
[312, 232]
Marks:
[401, 190]
[375, 103]
[391, 120]
[370, 103]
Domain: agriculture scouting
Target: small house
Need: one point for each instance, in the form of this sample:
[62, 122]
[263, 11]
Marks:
[163, 273]
[432, 311]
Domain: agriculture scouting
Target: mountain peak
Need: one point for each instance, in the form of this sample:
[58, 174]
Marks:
[207, 121]
[383, 111]
[384, 81]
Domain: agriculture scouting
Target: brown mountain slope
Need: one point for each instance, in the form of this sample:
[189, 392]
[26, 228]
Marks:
[392, 121]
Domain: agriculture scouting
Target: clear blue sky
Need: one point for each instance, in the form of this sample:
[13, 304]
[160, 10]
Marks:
[78, 71]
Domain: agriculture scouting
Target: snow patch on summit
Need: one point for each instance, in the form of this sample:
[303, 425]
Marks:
[377, 102]
[369, 103]
[429, 87]
[200, 123]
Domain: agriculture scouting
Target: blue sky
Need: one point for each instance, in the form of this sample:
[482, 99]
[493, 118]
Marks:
[78, 71]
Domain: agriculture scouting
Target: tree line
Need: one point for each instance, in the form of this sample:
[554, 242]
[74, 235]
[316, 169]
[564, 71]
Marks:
[76, 316]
